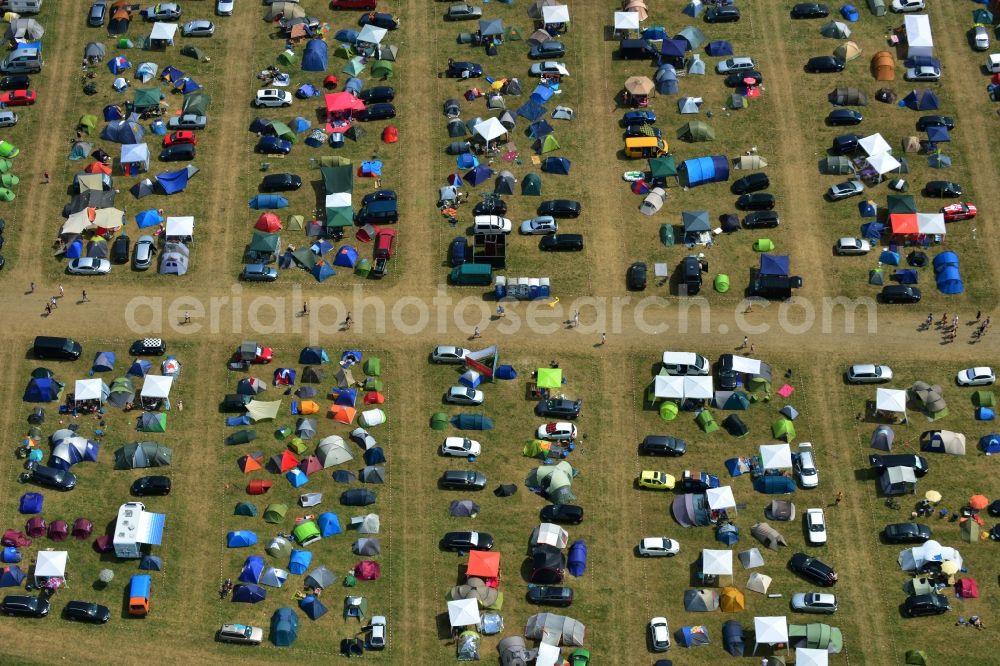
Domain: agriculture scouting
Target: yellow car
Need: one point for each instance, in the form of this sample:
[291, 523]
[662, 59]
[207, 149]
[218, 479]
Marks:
[656, 480]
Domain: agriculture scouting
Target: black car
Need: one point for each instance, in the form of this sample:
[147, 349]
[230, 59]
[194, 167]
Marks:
[761, 219]
[844, 117]
[756, 201]
[84, 611]
[900, 293]
[280, 182]
[662, 445]
[691, 484]
[458, 251]
[568, 514]
[379, 20]
[550, 595]
[377, 112]
[560, 208]
[728, 14]
[120, 249]
[272, 145]
[825, 65]
[725, 375]
[737, 79]
[546, 50]
[810, 10]
[935, 121]
[925, 604]
[845, 144]
[20, 604]
[148, 347]
[377, 95]
[753, 182]
[561, 243]
[690, 275]
[463, 70]
[490, 206]
[51, 477]
[635, 277]
[177, 153]
[813, 570]
[462, 480]
[455, 541]
[907, 533]
[943, 189]
[378, 195]
[911, 460]
[151, 485]
[15, 82]
[560, 408]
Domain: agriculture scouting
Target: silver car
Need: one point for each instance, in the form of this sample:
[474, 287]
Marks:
[463, 12]
[199, 28]
[259, 273]
[925, 73]
[89, 266]
[224, 7]
[814, 602]
[142, 258]
[868, 373]
[448, 354]
[543, 224]
[189, 121]
[851, 245]
[460, 395]
[846, 189]
[241, 633]
[8, 118]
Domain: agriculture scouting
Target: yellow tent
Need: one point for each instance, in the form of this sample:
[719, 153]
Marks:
[732, 600]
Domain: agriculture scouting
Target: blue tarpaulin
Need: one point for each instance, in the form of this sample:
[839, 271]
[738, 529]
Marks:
[774, 264]
[173, 182]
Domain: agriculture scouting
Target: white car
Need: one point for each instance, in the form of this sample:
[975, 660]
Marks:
[658, 547]
[376, 633]
[491, 224]
[805, 466]
[272, 97]
[199, 28]
[850, 245]
[224, 7]
[908, 5]
[544, 224]
[460, 447]
[848, 188]
[993, 63]
[448, 354]
[925, 73]
[868, 373]
[549, 68]
[815, 527]
[89, 266]
[240, 633]
[460, 395]
[981, 376]
[814, 602]
[737, 64]
[559, 430]
[659, 634]
[8, 118]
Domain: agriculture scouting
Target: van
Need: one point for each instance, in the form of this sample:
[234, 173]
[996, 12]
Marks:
[22, 6]
[685, 364]
[690, 276]
[25, 60]
[775, 286]
[645, 146]
[138, 595]
[378, 212]
[472, 274]
[59, 349]
[635, 49]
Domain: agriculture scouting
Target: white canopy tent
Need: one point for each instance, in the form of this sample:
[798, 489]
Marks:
[550, 534]
[758, 582]
[135, 153]
[90, 389]
[50, 564]
[371, 34]
[770, 630]
[811, 657]
[717, 562]
[555, 14]
[931, 223]
[919, 41]
[626, 21]
[180, 226]
[156, 386]
[874, 144]
[681, 388]
[776, 456]
[890, 400]
[698, 387]
[720, 498]
[338, 200]
[163, 32]
[490, 129]
[548, 655]
[883, 163]
[463, 612]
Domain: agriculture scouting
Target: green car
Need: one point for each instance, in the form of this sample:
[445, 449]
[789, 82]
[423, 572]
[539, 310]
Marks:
[579, 657]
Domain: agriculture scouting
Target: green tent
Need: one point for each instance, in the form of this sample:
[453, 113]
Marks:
[439, 421]
[275, 513]
[984, 399]
[355, 607]
[146, 98]
[296, 223]
[246, 509]
[763, 245]
[152, 422]
[759, 384]
[6, 165]
[783, 429]
[382, 69]
[305, 258]
[548, 144]
[264, 242]
[343, 51]
[835, 165]
[901, 203]
[722, 283]
[297, 446]
[917, 658]
[283, 131]
[706, 421]
[353, 67]
[193, 52]
[10, 180]
[531, 185]
[196, 102]
[662, 167]
[334, 161]
[306, 532]
[696, 130]
[87, 123]
[668, 411]
[373, 366]
[667, 234]
[338, 217]
[287, 58]
[241, 437]
[337, 179]
[363, 267]
[731, 400]
[373, 384]
[549, 378]
[536, 448]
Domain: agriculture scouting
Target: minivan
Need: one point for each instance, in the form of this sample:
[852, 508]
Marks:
[60, 349]
[636, 49]
[645, 146]
[690, 276]
[24, 60]
[378, 212]
[681, 364]
[472, 274]
[177, 153]
[138, 595]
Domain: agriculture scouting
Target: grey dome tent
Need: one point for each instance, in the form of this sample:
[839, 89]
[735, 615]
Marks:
[372, 474]
[24, 30]
[666, 80]
[693, 36]
[306, 428]
[689, 104]
[320, 577]
[312, 375]
[751, 559]
[697, 66]
[701, 601]
[452, 108]
[508, 120]
[140, 455]
[513, 652]
[366, 546]
[94, 51]
[463, 509]
[790, 412]
[767, 535]
[504, 183]
[835, 30]
[882, 438]
[456, 128]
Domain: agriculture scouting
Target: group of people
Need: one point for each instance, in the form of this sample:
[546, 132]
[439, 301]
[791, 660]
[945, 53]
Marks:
[949, 329]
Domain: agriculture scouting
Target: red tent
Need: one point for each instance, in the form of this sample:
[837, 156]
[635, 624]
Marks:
[966, 588]
[367, 570]
[249, 464]
[258, 487]
[330, 82]
[103, 544]
[97, 167]
[35, 527]
[310, 464]
[285, 461]
[342, 105]
[374, 398]
[268, 222]
[82, 528]
[59, 530]
[342, 413]
[390, 134]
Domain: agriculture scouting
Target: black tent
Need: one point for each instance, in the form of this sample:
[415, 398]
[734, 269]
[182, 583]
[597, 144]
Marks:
[548, 565]
[505, 490]
[730, 222]
[357, 497]
[311, 375]
[734, 426]
[241, 437]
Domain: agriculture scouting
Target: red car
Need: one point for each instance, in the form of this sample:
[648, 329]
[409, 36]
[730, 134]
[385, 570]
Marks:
[18, 98]
[385, 243]
[179, 138]
[959, 211]
[353, 4]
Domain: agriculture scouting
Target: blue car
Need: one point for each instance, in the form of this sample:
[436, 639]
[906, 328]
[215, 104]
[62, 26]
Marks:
[638, 118]
[463, 70]
[272, 145]
[457, 251]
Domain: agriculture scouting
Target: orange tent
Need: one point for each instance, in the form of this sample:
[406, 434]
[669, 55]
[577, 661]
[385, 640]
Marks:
[268, 222]
[390, 134]
[308, 407]
[374, 398]
[884, 66]
[483, 564]
[342, 413]
[98, 167]
[249, 464]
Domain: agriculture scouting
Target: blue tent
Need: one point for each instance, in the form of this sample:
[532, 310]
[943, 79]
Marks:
[702, 170]
[472, 422]
[872, 230]
[719, 48]
[947, 277]
[990, 443]
[938, 134]
[249, 593]
[241, 539]
[354, 86]
[173, 182]
[113, 112]
[374, 456]
[466, 161]
[850, 13]
[693, 9]
[42, 389]
[122, 131]
[11, 576]
[171, 74]
[151, 563]
[312, 607]
[732, 638]
[985, 414]
[313, 356]
[268, 201]
[674, 49]
[253, 567]
[541, 94]
[479, 175]
[357, 497]
[867, 209]
[300, 125]
[346, 256]
[11, 555]
[939, 161]
[889, 257]
[31, 503]
[148, 218]
[576, 562]
[284, 627]
[558, 165]
[531, 110]
[774, 264]
[506, 372]
[321, 247]
[296, 477]
[344, 396]
[346, 35]
[728, 534]
[921, 100]
[139, 368]
[693, 636]
[539, 129]
[771, 484]
[654, 32]
[666, 80]
[187, 85]
[74, 250]
[314, 58]
[329, 524]
[103, 362]
[299, 562]
[906, 276]
[118, 64]
[306, 90]
[343, 476]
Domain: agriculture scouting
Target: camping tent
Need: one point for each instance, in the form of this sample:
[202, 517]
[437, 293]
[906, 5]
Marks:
[943, 441]
[847, 51]
[919, 41]
[758, 582]
[850, 96]
[700, 601]
[882, 438]
[696, 130]
[767, 535]
[883, 66]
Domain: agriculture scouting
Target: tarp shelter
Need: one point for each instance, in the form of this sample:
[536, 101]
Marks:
[919, 40]
[770, 631]
[555, 15]
[720, 498]
[163, 32]
[134, 158]
[261, 410]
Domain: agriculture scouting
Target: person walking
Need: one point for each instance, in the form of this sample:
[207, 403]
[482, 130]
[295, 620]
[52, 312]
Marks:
[53, 303]
[501, 312]
[62, 292]
[929, 321]
[84, 300]
[31, 288]
[348, 321]
[576, 319]
[746, 341]
[944, 319]
[187, 317]
[839, 498]
[954, 322]
[752, 349]
[45, 178]
[476, 333]
[604, 338]
[979, 314]
[48, 308]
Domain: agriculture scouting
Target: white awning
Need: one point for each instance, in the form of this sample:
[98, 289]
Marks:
[163, 31]
[874, 144]
[698, 387]
[717, 562]
[776, 456]
[555, 14]
[156, 386]
[931, 223]
[771, 630]
[811, 657]
[626, 21]
[751, 366]
[720, 498]
[890, 400]
[490, 129]
[180, 226]
[666, 386]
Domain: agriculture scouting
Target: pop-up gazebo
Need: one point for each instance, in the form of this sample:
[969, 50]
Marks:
[770, 630]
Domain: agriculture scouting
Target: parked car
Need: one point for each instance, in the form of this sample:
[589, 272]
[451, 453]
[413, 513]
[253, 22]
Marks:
[180, 137]
[569, 514]
[639, 117]
[549, 49]
[825, 65]
[815, 527]
[151, 485]
[926, 73]
[656, 480]
[725, 373]
[224, 7]
[460, 447]
[943, 189]
[755, 201]
[461, 395]
[979, 376]
[850, 245]
[935, 120]
[906, 533]
[120, 249]
[20, 604]
[462, 480]
[737, 79]
[556, 431]
[463, 12]
[88, 266]
[378, 195]
[15, 82]
[458, 250]
[725, 14]
[814, 602]
[550, 595]
[805, 466]
[381, 111]
[917, 463]
[635, 131]
[845, 144]
[753, 182]
[868, 373]
[52, 477]
[561, 243]
[813, 569]
[690, 275]
[19, 98]
[458, 69]
[659, 634]
[165, 11]
[901, 6]
[635, 277]
[658, 547]
[366, 5]
[761, 219]
[543, 224]
[959, 211]
[662, 445]
[198, 28]
[385, 246]
[899, 293]
[559, 408]
[377, 94]
[379, 20]
[85, 611]
[97, 14]
[849, 188]
[272, 97]
[839, 117]
[189, 121]
[259, 273]
[272, 145]
[377, 633]
[737, 64]
[491, 224]
[148, 347]
[810, 10]
[448, 354]
[548, 68]
[454, 541]
[142, 256]
[925, 604]
[493, 205]
[184, 152]
[240, 633]
[280, 182]
[560, 208]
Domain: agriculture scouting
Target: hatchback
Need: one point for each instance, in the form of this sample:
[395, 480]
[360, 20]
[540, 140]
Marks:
[460, 395]
[84, 611]
[448, 354]
[980, 376]
[224, 7]
[178, 153]
[98, 12]
[151, 485]
[549, 49]
[88, 266]
[815, 527]
[463, 70]
[272, 145]
[814, 602]
[550, 595]
[548, 68]
[925, 604]
[906, 533]
[8, 118]
[557, 431]
[51, 477]
[756, 201]
[272, 97]
[199, 28]
[813, 569]
[562, 513]
[849, 188]
[120, 250]
[850, 245]
[377, 95]
[658, 547]
[148, 347]
[925, 73]
[728, 14]
[761, 219]
[259, 273]
[541, 225]
[462, 480]
[839, 117]
[381, 111]
[943, 189]
[899, 293]
[455, 541]
[737, 64]
[142, 257]
[659, 634]
[662, 445]
[559, 408]
[935, 121]
[15, 82]
[753, 182]
[487, 224]
[635, 278]
[280, 182]
[463, 12]
[805, 466]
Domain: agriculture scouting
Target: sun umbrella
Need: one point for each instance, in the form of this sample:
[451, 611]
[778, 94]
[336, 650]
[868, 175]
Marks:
[932, 496]
[978, 502]
[639, 85]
